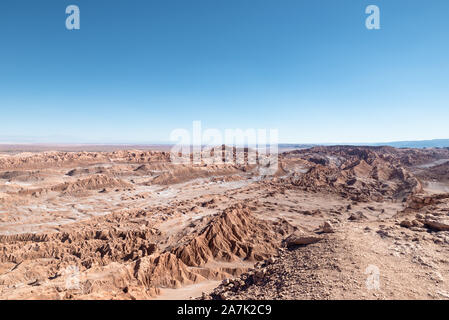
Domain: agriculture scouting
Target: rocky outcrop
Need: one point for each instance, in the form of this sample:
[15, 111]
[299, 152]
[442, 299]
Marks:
[360, 174]
[235, 234]
[165, 270]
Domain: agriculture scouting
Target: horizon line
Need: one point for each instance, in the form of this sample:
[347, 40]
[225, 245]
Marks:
[172, 143]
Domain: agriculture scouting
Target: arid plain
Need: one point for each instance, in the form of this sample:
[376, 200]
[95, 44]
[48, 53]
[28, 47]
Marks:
[333, 223]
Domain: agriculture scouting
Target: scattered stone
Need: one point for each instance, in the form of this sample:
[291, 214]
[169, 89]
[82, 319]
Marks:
[301, 238]
[327, 227]
[439, 225]
[357, 216]
[406, 224]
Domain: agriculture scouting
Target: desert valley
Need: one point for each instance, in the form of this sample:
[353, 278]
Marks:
[130, 224]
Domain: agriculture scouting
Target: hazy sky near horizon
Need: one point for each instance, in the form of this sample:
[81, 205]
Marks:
[136, 70]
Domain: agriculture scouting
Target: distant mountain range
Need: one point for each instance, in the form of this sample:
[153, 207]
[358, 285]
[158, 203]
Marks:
[419, 144]
[437, 143]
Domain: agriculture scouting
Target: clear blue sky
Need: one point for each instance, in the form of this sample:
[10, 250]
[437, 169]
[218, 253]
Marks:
[138, 69]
